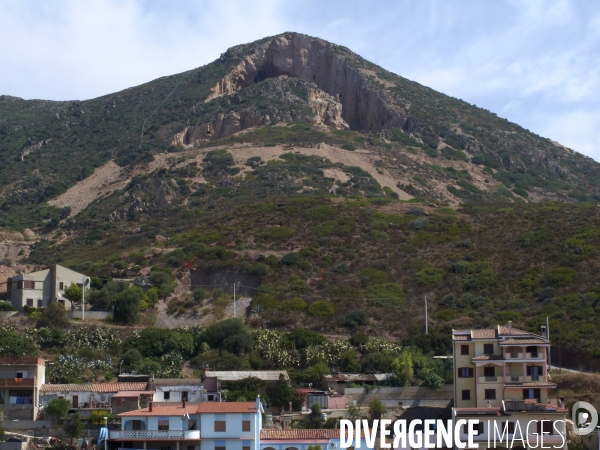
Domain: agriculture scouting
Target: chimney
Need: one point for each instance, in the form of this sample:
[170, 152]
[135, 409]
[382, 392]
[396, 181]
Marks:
[183, 402]
[258, 403]
[150, 406]
[510, 327]
[543, 331]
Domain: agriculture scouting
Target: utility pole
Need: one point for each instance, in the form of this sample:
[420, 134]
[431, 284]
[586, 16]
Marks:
[426, 327]
[559, 355]
[234, 299]
[83, 297]
[549, 348]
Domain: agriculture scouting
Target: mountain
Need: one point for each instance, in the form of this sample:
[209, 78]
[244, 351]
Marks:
[308, 170]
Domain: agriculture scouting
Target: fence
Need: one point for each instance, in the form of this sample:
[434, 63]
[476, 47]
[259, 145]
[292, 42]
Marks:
[92, 315]
[401, 397]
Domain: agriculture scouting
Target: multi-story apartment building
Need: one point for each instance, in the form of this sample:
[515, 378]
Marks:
[20, 383]
[501, 378]
[501, 363]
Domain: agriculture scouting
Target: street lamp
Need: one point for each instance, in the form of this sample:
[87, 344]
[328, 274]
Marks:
[83, 297]
[106, 438]
[121, 365]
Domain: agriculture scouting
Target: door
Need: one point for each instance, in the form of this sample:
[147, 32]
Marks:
[75, 401]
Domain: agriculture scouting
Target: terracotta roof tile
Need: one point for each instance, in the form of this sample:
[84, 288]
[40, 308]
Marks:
[226, 407]
[162, 410]
[300, 434]
[504, 331]
[525, 341]
[235, 375]
[486, 333]
[119, 386]
[66, 387]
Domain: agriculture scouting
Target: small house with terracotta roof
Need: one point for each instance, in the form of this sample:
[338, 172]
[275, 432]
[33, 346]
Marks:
[299, 439]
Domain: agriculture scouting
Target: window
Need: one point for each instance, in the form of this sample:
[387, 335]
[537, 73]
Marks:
[166, 395]
[535, 372]
[530, 394]
[545, 426]
[28, 284]
[19, 285]
[465, 372]
[509, 426]
[137, 425]
[40, 303]
[466, 394]
[464, 349]
[220, 425]
[478, 427]
[192, 424]
[61, 286]
[20, 375]
[29, 302]
[163, 424]
[246, 447]
[219, 447]
[191, 447]
[211, 397]
[184, 395]
[488, 349]
[533, 350]
[490, 394]
[245, 425]
[489, 372]
[122, 402]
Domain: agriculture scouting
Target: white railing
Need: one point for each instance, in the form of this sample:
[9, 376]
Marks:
[155, 434]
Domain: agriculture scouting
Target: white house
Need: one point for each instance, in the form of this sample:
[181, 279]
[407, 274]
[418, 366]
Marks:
[172, 390]
[230, 425]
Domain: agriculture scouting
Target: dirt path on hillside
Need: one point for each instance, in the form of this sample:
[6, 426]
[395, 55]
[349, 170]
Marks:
[111, 177]
[104, 180]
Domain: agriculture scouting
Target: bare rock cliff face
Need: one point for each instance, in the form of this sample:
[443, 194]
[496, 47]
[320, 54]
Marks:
[314, 61]
[299, 102]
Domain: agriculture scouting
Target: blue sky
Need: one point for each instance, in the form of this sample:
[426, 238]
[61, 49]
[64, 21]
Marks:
[534, 62]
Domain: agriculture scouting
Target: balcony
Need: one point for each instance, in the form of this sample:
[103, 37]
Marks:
[17, 382]
[495, 379]
[157, 435]
[513, 355]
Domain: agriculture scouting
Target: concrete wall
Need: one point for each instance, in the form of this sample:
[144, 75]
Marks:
[402, 396]
[13, 445]
[20, 425]
[92, 315]
[194, 392]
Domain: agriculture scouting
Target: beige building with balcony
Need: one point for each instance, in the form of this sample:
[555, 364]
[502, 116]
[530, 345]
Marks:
[502, 363]
[501, 379]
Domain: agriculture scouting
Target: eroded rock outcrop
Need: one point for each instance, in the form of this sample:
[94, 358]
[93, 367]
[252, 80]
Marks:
[315, 61]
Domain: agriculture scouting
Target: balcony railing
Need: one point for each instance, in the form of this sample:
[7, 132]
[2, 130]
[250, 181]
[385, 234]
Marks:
[17, 382]
[494, 379]
[155, 434]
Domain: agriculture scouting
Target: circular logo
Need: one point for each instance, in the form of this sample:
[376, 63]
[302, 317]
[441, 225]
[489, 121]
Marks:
[585, 418]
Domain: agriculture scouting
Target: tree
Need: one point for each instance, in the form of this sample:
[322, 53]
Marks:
[74, 292]
[232, 335]
[131, 357]
[74, 427]
[55, 315]
[376, 409]
[127, 304]
[353, 413]
[402, 367]
[12, 344]
[284, 394]
[58, 408]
